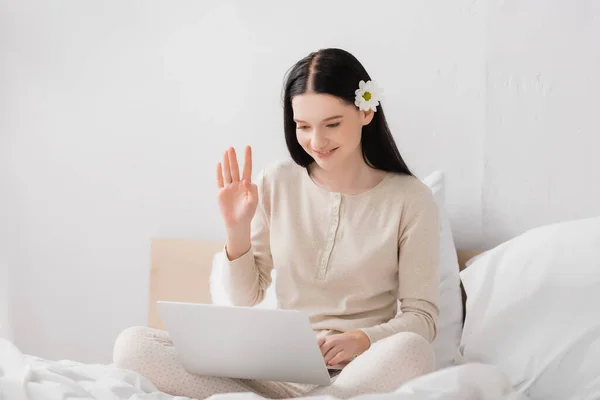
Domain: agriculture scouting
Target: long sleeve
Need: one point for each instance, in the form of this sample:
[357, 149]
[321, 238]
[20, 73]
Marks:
[247, 278]
[418, 272]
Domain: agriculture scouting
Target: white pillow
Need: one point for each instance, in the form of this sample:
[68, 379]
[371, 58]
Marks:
[450, 320]
[533, 309]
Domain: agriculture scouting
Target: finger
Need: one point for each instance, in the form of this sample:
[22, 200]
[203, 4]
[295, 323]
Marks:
[219, 176]
[226, 170]
[331, 351]
[331, 354]
[338, 359]
[233, 164]
[326, 346]
[321, 341]
[247, 174]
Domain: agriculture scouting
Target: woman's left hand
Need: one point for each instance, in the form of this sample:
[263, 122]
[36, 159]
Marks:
[344, 347]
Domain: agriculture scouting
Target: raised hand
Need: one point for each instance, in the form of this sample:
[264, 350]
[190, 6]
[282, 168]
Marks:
[238, 196]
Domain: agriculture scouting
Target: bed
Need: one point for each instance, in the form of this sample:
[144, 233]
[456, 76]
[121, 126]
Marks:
[510, 349]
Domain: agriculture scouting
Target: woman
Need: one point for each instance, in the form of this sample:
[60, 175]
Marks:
[350, 231]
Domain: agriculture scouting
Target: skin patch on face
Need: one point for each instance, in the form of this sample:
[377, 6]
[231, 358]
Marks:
[328, 128]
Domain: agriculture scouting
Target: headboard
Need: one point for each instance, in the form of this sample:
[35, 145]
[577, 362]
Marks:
[180, 271]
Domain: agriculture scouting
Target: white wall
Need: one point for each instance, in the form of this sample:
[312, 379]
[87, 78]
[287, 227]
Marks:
[5, 306]
[542, 116]
[115, 113]
[6, 200]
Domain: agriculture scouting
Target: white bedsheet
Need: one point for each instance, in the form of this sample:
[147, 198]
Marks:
[24, 377]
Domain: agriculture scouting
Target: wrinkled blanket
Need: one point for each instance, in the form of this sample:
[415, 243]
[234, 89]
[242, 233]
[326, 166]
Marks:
[24, 377]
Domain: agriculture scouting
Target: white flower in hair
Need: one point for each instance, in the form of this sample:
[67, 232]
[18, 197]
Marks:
[368, 96]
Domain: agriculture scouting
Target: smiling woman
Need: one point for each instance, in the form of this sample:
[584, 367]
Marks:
[348, 228]
[331, 104]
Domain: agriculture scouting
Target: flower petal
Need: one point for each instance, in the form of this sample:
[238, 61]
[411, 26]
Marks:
[375, 92]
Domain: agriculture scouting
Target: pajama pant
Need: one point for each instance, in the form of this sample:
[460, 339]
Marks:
[388, 364]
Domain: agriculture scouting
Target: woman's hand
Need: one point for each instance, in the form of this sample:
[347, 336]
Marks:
[342, 348]
[238, 199]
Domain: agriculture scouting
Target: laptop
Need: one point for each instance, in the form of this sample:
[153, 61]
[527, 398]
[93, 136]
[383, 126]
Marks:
[245, 342]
